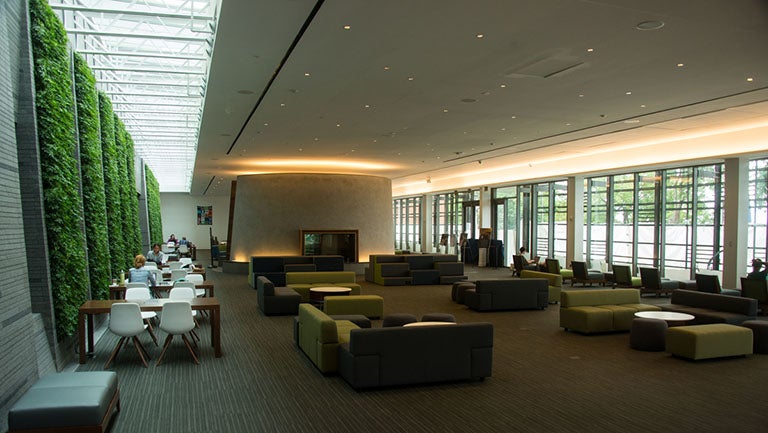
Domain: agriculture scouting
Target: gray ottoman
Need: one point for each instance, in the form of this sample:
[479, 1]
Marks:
[759, 335]
[458, 289]
[648, 334]
[438, 317]
[80, 401]
[398, 319]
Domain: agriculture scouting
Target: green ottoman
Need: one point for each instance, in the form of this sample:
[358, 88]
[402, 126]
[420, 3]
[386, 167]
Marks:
[709, 341]
[371, 306]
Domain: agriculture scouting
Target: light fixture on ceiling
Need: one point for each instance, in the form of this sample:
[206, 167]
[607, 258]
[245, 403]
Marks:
[429, 179]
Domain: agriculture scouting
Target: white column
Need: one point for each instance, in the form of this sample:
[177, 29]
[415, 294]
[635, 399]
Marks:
[426, 224]
[575, 225]
[485, 207]
[735, 213]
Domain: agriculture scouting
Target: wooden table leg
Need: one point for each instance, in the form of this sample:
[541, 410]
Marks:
[81, 336]
[216, 331]
[89, 318]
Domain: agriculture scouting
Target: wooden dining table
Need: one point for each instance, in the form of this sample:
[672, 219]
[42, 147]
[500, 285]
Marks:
[117, 291]
[91, 308]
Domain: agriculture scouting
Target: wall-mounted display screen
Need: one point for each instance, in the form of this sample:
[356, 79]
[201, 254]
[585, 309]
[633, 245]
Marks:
[330, 242]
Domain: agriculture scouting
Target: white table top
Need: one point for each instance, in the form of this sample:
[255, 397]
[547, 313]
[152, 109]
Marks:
[428, 324]
[670, 316]
[330, 289]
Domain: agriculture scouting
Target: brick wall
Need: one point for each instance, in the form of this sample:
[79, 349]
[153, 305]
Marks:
[26, 336]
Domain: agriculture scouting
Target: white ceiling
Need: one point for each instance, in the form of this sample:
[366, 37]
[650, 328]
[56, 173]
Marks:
[412, 90]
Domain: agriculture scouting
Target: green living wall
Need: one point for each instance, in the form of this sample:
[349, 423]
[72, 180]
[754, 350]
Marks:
[60, 172]
[111, 185]
[128, 198]
[153, 209]
[94, 203]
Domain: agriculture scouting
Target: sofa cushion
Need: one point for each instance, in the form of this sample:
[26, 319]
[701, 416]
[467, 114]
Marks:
[622, 316]
[419, 261]
[575, 298]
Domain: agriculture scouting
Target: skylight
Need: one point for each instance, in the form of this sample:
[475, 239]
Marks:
[151, 57]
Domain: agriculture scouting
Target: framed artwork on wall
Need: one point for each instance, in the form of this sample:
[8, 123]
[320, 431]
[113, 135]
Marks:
[204, 215]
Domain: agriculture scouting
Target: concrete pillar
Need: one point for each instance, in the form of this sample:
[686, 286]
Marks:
[735, 213]
[426, 223]
[574, 249]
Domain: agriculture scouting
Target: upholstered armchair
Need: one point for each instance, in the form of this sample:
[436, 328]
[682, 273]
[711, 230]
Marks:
[622, 276]
[585, 276]
[653, 283]
[756, 289]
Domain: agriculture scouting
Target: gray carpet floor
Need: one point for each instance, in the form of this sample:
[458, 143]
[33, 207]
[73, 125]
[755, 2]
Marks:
[544, 380]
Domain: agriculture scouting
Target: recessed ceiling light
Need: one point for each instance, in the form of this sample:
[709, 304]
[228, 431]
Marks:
[347, 27]
[650, 25]
[589, 50]
[632, 121]
[266, 124]
[445, 110]
[680, 65]
[514, 117]
[750, 79]
[502, 85]
[338, 125]
[306, 74]
[386, 68]
[581, 95]
[479, 35]
[410, 78]
[282, 104]
[642, 105]
[627, 93]
[245, 92]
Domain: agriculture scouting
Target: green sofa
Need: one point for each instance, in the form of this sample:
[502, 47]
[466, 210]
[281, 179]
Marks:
[319, 336]
[555, 283]
[301, 282]
[600, 310]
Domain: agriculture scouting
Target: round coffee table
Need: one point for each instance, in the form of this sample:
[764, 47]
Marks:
[317, 294]
[408, 325]
[667, 316]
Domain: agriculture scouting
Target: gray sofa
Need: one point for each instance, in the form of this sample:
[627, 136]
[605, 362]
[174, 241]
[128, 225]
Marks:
[276, 300]
[508, 294]
[378, 357]
[712, 308]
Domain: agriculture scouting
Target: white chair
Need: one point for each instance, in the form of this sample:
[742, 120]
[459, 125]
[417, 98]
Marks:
[150, 265]
[174, 265]
[191, 284]
[178, 274]
[168, 248]
[176, 319]
[141, 294]
[195, 278]
[125, 321]
[183, 250]
[185, 294]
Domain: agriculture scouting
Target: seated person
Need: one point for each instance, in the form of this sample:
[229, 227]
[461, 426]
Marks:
[172, 239]
[157, 256]
[139, 274]
[757, 273]
[184, 241]
[524, 252]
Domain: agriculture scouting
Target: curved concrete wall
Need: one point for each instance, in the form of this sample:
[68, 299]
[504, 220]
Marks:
[271, 209]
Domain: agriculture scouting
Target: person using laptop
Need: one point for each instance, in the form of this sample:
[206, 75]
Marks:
[156, 255]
